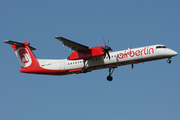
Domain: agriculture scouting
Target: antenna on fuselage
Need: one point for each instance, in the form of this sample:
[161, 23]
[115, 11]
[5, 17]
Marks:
[132, 65]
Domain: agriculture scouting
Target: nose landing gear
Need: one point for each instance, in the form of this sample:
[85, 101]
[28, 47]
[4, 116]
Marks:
[169, 61]
[109, 77]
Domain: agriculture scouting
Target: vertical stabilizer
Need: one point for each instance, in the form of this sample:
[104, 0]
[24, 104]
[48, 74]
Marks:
[24, 54]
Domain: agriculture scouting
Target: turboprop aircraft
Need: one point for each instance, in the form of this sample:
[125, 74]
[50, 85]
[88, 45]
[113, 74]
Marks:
[86, 59]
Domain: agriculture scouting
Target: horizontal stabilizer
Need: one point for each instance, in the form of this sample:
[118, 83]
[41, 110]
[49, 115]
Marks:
[17, 44]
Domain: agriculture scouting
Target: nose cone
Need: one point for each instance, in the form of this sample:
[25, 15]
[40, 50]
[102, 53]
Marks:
[174, 53]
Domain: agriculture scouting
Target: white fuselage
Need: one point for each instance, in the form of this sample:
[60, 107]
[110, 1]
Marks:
[118, 58]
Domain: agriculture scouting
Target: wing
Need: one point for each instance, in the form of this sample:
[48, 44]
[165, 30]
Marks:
[73, 45]
[17, 43]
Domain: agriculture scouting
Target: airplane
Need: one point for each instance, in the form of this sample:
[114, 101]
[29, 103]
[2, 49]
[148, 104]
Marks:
[86, 59]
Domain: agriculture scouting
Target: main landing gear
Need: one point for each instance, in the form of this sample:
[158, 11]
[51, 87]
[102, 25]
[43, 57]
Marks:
[109, 77]
[169, 61]
[84, 70]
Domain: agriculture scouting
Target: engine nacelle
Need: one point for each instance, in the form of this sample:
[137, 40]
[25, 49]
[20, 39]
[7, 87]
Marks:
[93, 52]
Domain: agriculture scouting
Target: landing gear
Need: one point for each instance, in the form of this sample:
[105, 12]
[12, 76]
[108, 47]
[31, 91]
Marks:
[169, 61]
[84, 70]
[109, 77]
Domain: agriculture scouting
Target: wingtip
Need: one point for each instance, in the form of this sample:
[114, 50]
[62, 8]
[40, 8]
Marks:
[57, 37]
[6, 41]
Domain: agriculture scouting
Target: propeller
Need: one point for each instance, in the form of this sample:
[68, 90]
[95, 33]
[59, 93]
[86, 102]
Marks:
[106, 49]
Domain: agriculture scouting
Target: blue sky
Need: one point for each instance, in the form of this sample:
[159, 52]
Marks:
[149, 91]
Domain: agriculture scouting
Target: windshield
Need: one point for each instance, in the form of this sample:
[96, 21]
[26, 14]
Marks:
[160, 47]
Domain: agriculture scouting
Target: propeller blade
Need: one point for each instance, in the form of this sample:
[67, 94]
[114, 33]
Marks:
[108, 55]
[104, 53]
[104, 42]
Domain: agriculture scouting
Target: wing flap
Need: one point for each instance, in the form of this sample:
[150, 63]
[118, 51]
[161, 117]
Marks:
[73, 45]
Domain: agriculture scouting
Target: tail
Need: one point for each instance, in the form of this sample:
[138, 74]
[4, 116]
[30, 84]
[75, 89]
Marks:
[25, 56]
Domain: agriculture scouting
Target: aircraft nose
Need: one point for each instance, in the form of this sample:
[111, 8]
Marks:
[174, 53]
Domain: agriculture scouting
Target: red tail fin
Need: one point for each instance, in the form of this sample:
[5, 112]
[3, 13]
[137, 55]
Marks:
[24, 54]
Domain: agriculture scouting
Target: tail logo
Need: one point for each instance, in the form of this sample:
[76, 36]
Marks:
[24, 57]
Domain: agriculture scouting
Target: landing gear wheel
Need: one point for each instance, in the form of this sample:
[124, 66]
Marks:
[84, 70]
[169, 61]
[109, 78]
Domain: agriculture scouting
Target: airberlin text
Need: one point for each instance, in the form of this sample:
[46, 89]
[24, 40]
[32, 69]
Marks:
[132, 53]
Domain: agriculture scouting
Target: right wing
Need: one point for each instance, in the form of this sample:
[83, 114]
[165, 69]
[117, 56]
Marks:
[73, 45]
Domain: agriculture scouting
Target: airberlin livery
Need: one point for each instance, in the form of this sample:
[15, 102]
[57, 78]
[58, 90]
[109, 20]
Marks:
[86, 59]
[131, 53]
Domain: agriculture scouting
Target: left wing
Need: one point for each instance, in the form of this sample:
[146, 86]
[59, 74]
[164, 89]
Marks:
[73, 45]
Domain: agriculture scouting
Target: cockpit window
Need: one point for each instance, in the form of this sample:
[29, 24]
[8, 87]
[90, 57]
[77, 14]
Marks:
[160, 47]
[164, 47]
